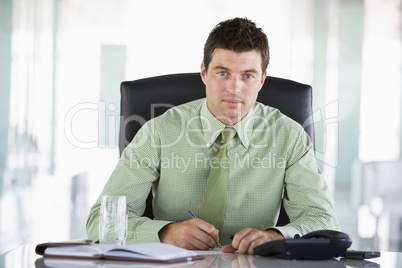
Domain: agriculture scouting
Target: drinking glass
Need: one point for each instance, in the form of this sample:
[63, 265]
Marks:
[113, 220]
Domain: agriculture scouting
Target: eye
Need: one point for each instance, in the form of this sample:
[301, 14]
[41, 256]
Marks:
[223, 73]
[248, 76]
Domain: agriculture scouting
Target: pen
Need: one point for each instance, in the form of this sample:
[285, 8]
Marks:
[193, 216]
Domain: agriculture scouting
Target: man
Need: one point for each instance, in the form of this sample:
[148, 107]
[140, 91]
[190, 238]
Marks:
[269, 155]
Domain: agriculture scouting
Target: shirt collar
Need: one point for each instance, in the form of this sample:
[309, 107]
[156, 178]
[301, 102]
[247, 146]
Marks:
[212, 127]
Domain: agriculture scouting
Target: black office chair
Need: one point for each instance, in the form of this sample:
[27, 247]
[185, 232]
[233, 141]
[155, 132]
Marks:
[291, 98]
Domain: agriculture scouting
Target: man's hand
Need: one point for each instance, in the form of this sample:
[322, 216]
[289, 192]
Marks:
[247, 239]
[190, 234]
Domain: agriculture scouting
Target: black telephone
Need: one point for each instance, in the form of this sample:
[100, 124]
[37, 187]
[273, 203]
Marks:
[318, 245]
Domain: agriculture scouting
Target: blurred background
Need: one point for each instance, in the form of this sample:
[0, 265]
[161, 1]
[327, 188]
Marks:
[62, 62]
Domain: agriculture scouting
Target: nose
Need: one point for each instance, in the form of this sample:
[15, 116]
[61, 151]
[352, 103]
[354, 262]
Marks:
[234, 84]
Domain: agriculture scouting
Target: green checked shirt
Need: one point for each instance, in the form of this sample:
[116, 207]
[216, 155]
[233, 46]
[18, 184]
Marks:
[271, 156]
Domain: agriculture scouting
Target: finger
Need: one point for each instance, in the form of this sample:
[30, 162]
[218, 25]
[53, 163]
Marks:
[250, 249]
[228, 249]
[238, 238]
[253, 240]
[186, 234]
[196, 244]
[249, 241]
[258, 237]
[203, 241]
[205, 233]
[208, 229]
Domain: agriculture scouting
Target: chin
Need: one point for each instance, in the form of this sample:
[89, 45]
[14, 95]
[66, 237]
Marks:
[232, 118]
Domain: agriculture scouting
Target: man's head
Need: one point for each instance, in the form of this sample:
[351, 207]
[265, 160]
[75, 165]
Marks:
[238, 35]
[234, 68]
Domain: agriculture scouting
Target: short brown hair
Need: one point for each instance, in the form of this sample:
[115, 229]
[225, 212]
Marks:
[238, 35]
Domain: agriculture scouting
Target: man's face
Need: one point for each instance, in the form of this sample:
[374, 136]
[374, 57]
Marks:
[232, 83]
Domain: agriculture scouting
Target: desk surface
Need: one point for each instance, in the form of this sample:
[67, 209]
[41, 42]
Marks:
[25, 257]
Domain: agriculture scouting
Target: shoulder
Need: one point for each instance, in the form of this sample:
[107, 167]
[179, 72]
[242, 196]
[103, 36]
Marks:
[176, 117]
[270, 122]
[170, 125]
[181, 113]
[285, 132]
[274, 117]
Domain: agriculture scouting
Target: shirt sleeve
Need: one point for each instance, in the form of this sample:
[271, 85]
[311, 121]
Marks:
[136, 171]
[305, 198]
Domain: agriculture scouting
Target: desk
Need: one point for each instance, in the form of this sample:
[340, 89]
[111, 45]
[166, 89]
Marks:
[25, 257]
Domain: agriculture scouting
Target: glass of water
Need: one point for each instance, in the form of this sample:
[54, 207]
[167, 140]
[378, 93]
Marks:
[113, 220]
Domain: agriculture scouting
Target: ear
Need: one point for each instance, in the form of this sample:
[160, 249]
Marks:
[264, 75]
[203, 73]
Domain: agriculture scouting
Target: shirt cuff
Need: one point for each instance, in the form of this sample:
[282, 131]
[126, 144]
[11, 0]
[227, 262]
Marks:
[286, 231]
[146, 232]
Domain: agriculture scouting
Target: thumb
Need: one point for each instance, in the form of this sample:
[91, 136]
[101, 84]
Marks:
[228, 249]
[216, 235]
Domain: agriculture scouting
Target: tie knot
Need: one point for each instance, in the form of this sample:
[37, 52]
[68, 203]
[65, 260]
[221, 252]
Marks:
[227, 134]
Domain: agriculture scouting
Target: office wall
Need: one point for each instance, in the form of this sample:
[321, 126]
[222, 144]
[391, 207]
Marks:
[59, 97]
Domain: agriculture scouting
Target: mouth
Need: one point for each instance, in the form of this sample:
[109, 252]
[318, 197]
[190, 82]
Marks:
[232, 102]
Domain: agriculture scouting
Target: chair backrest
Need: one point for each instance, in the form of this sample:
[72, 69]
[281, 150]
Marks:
[146, 98]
